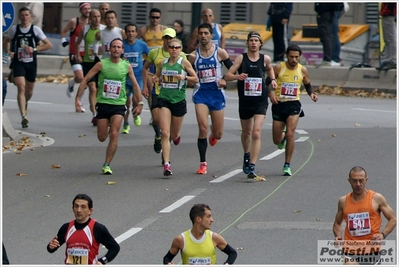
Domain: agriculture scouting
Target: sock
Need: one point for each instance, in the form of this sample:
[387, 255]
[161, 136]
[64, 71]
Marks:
[157, 130]
[246, 154]
[251, 167]
[106, 164]
[126, 123]
[286, 164]
[202, 145]
[72, 82]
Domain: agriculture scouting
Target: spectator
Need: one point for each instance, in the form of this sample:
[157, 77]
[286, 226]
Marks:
[279, 14]
[388, 13]
[336, 43]
[325, 14]
[182, 35]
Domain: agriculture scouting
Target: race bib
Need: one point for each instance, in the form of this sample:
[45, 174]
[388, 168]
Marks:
[199, 261]
[253, 87]
[23, 56]
[77, 256]
[289, 91]
[207, 75]
[106, 47]
[169, 79]
[133, 58]
[359, 224]
[112, 89]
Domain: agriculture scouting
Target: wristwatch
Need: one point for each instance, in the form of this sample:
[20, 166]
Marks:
[35, 49]
[384, 235]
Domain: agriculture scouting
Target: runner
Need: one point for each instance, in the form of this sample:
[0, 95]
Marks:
[73, 27]
[134, 51]
[111, 97]
[83, 236]
[25, 37]
[155, 57]
[209, 96]
[252, 97]
[88, 60]
[287, 108]
[172, 97]
[361, 210]
[197, 245]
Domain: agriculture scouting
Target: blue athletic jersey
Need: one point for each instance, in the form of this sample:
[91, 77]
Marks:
[209, 70]
[217, 35]
[134, 55]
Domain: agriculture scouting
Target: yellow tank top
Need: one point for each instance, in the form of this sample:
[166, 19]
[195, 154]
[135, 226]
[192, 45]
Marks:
[289, 83]
[198, 252]
[154, 39]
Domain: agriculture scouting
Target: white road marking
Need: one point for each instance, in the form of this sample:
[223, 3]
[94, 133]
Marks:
[226, 176]
[374, 110]
[127, 234]
[231, 119]
[274, 154]
[281, 151]
[301, 131]
[30, 101]
[177, 204]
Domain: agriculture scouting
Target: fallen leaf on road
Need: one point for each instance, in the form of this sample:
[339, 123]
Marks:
[296, 211]
[318, 219]
[53, 166]
[357, 124]
[333, 135]
[82, 135]
[240, 248]
[260, 179]
[111, 183]
[21, 174]
[214, 176]
[47, 195]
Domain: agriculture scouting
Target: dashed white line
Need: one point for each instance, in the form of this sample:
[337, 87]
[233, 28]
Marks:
[301, 131]
[127, 234]
[274, 154]
[226, 176]
[177, 204]
[374, 110]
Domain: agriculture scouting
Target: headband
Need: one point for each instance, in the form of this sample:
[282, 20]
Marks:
[84, 5]
[254, 35]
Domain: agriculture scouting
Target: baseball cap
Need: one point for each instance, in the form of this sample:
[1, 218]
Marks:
[169, 32]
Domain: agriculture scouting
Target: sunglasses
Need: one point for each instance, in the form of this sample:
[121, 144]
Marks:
[174, 46]
[155, 17]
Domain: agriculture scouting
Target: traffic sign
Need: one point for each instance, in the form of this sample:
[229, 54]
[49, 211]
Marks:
[8, 15]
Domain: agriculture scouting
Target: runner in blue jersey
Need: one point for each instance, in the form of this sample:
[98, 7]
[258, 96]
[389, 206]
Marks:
[134, 50]
[209, 96]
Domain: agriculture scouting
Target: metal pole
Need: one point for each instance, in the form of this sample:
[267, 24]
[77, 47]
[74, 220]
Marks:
[196, 9]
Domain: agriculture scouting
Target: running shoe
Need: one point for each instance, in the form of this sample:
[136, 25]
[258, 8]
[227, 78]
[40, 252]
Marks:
[252, 173]
[245, 165]
[287, 170]
[212, 140]
[137, 120]
[166, 169]
[157, 145]
[107, 170]
[126, 129]
[82, 110]
[94, 121]
[24, 122]
[282, 144]
[202, 168]
[177, 141]
[69, 90]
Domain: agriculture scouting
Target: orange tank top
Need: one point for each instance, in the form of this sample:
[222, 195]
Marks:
[362, 221]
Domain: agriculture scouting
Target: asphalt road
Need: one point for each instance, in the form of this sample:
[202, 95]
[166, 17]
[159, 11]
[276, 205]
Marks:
[278, 221]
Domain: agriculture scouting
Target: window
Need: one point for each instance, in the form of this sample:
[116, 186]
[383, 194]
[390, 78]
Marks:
[234, 12]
